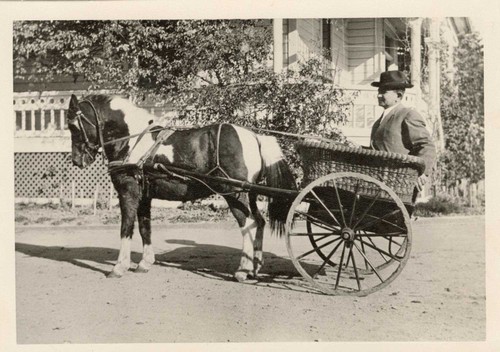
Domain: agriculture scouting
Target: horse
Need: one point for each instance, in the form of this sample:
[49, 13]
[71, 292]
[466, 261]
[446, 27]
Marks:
[106, 124]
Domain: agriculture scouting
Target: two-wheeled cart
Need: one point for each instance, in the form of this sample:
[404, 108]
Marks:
[348, 230]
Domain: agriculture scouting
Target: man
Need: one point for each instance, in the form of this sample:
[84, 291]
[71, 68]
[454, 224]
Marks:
[400, 129]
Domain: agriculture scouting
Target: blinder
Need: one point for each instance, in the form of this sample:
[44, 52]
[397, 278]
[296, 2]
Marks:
[91, 148]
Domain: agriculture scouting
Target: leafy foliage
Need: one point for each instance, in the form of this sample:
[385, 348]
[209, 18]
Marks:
[148, 57]
[462, 111]
[210, 70]
[442, 204]
[213, 70]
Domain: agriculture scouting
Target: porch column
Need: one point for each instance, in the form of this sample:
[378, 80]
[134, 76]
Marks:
[432, 43]
[278, 45]
[416, 42]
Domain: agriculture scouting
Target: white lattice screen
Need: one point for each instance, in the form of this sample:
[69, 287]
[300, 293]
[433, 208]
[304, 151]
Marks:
[52, 175]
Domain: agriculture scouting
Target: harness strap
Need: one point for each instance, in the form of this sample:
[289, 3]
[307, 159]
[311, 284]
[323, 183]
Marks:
[146, 130]
[162, 136]
[217, 158]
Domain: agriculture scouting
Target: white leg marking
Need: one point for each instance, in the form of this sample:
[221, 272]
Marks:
[148, 259]
[123, 262]
[247, 255]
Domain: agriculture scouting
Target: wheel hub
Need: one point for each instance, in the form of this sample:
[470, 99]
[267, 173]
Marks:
[347, 234]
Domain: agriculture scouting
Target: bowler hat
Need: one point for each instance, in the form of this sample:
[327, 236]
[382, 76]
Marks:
[391, 80]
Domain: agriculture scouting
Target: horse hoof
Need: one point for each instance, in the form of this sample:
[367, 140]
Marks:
[141, 270]
[113, 275]
[241, 276]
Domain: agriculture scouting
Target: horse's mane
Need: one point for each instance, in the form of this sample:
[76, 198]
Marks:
[98, 98]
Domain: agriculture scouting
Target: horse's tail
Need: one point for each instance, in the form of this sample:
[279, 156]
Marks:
[277, 175]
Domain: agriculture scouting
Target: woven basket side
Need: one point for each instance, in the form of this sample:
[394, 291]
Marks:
[399, 175]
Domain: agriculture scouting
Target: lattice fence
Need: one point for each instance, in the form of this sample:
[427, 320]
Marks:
[52, 175]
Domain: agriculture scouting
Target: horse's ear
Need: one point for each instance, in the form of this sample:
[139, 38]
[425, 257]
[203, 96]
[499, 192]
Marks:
[73, 103]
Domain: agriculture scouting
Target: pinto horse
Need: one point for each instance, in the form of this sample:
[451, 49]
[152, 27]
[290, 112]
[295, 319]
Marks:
[108, 124]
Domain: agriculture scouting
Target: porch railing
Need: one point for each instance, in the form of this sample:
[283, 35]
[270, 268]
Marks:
[43, 115]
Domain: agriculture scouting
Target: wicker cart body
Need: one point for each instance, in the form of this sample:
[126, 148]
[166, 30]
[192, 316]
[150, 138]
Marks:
[354, 208]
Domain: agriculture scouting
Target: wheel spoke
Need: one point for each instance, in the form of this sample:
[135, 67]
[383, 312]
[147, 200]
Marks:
[373, 243]
[340, 203]
[319, 247]
[355, 268]
[340, 267]
[327, 259]
[326, 208]
[381, 219]
[391, 242]
[367, 209]
[381, 251]
[324, 235]
[317, 221]
[366, 263]
[364, 256]
[354, 203]
[386, 235]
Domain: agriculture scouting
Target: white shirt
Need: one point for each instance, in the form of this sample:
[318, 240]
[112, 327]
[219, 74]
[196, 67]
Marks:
[387, 111]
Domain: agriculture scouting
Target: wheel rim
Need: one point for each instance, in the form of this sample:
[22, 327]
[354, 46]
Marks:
[360, 243]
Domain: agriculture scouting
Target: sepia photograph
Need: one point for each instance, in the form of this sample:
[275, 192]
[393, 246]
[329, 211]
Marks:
[200, 179]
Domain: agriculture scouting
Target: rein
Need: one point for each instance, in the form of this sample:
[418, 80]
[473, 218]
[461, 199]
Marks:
[255, 129]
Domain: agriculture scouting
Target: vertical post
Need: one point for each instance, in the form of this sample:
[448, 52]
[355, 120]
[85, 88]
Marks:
[96, 195]
[61, 194]
[416, 42]
[61, 117]
[33, 120]
[110, 196]
[23, 120]
[72, 194]
[434, 81]
[52, 118]
[278, 45]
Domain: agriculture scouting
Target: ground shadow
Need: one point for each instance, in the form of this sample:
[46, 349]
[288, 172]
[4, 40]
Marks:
[210, 261]
[220, 262]
[73, 255]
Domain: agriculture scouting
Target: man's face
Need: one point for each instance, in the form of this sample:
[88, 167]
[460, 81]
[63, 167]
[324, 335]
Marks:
[387, 98]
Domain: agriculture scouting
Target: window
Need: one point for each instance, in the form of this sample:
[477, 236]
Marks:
[397, 49]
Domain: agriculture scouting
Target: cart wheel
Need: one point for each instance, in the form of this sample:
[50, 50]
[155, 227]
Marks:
[360, 240]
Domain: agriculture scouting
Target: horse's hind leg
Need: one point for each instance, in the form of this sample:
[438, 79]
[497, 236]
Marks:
[258, 259]
[144, 217]
[248, 226]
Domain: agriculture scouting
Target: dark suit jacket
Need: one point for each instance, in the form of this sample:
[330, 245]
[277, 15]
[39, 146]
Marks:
[403, 131]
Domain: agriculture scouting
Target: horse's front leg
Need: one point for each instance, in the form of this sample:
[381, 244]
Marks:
[129, 194]
[144, 217]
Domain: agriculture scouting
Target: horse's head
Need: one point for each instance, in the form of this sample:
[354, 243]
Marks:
[83, 123]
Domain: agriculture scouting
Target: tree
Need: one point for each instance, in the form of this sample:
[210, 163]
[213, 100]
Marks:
[211, 70]
[138, 57]
[462, 111]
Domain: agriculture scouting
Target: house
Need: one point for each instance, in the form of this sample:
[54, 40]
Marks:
[356, 50]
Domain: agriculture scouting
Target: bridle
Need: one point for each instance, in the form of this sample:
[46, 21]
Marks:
[89, 146]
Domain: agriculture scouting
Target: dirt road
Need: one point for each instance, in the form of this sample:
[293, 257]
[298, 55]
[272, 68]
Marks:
[62, 294]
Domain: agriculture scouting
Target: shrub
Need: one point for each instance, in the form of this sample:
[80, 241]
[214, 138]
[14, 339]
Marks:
[439, 205]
